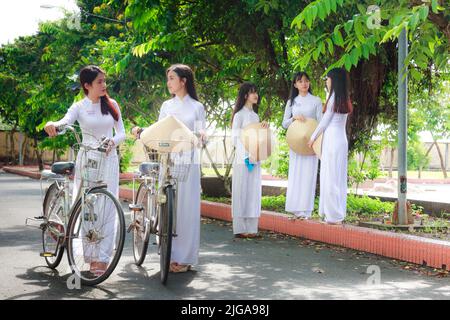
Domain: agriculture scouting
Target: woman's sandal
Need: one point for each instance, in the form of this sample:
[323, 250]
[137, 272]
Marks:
[98, 268]
[177, 268]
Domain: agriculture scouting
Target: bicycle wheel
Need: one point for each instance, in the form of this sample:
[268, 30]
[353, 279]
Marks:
[165, 233]
[95, 237]
[53, 230]
[142, 226]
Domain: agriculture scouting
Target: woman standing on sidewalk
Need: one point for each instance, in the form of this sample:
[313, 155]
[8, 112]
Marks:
[97, 115]
[302, 175]
[185, 106]
[333, 170]
[246, 183]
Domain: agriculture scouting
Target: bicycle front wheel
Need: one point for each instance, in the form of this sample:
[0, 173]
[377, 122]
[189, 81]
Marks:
[53, 230]
[96, 233]
[165, 233]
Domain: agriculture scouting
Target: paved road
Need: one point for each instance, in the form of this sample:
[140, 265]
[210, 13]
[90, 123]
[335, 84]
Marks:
[276, 267]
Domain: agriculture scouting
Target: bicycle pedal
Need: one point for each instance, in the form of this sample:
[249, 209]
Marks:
[47, 254]
[135, 207]
[131, 227]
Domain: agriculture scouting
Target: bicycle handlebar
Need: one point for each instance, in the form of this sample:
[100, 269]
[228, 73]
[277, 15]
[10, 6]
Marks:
[103, 144]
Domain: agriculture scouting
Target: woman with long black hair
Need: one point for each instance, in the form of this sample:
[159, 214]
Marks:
[333, 168]
[302, 175]
[97, 115]
[246, 183]
[184, 106]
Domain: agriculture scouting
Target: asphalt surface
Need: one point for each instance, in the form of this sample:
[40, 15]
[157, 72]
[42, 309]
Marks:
[274, 267]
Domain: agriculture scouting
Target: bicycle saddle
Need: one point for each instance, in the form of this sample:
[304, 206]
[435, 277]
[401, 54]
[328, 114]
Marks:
[63, 167]
[148, 167]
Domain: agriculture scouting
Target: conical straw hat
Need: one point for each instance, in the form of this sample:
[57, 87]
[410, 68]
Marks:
[258, 141]
[298, 135]
[169, 135]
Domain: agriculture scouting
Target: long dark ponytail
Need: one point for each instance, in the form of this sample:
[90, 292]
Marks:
[244, 90]
[87, 75]
[294, 91]
[184, 71]
[339, 86]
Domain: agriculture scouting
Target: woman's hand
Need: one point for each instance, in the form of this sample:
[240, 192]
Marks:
[50, 128]
[300, 117]
[136, 132]
[202, 138]
[310, 144]
[110, 146]
[264, 124]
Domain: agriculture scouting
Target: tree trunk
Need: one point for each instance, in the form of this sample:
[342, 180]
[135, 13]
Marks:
[441, 158]
[38, 155]
[12, 156]
[24, 149]
[391, 164]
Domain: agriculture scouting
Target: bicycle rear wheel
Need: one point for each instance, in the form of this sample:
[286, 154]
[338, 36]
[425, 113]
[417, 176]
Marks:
[165, 233]
[142, 224]
[53, 229]
[96, 234]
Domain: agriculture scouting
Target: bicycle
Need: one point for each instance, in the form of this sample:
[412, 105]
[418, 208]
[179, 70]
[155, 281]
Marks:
[155, 206]
[92, 228]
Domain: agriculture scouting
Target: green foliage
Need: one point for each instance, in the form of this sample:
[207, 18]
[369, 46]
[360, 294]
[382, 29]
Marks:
[416, 156]
[368, 27]
[356, 205]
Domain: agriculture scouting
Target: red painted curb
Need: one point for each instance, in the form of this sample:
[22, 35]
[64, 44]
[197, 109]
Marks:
[23, 172]
[419, 250]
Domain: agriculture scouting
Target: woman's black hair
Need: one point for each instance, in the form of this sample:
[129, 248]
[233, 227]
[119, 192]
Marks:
[87, 75]
[294, 91]
[244, 90]
[339, 86]
[185, 72]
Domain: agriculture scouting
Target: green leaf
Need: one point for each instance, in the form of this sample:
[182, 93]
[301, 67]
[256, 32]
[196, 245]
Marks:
[321, 47]
[337, 37]
[348, 62]
[415, 18]
[423, 13]
[359, 31]
[431, 46]
[365, 51]
[330, 46]
[308, 18]
[333, 6]
[354, 56]
[314, 11]
[415, 74]
[321, 13]
[327, 6]
[434, 6]
[362, 9]
[348, 26]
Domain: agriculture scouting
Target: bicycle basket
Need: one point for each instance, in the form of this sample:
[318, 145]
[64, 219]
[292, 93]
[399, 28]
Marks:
[179, 165]
[93, 166]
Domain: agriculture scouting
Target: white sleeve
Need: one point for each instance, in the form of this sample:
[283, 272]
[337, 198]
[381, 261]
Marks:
[162, 111]
[236, 129]
[326, 119]
[318, 109]
[287, 119]
[70, 117]
[200, 124]
[119, 128]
